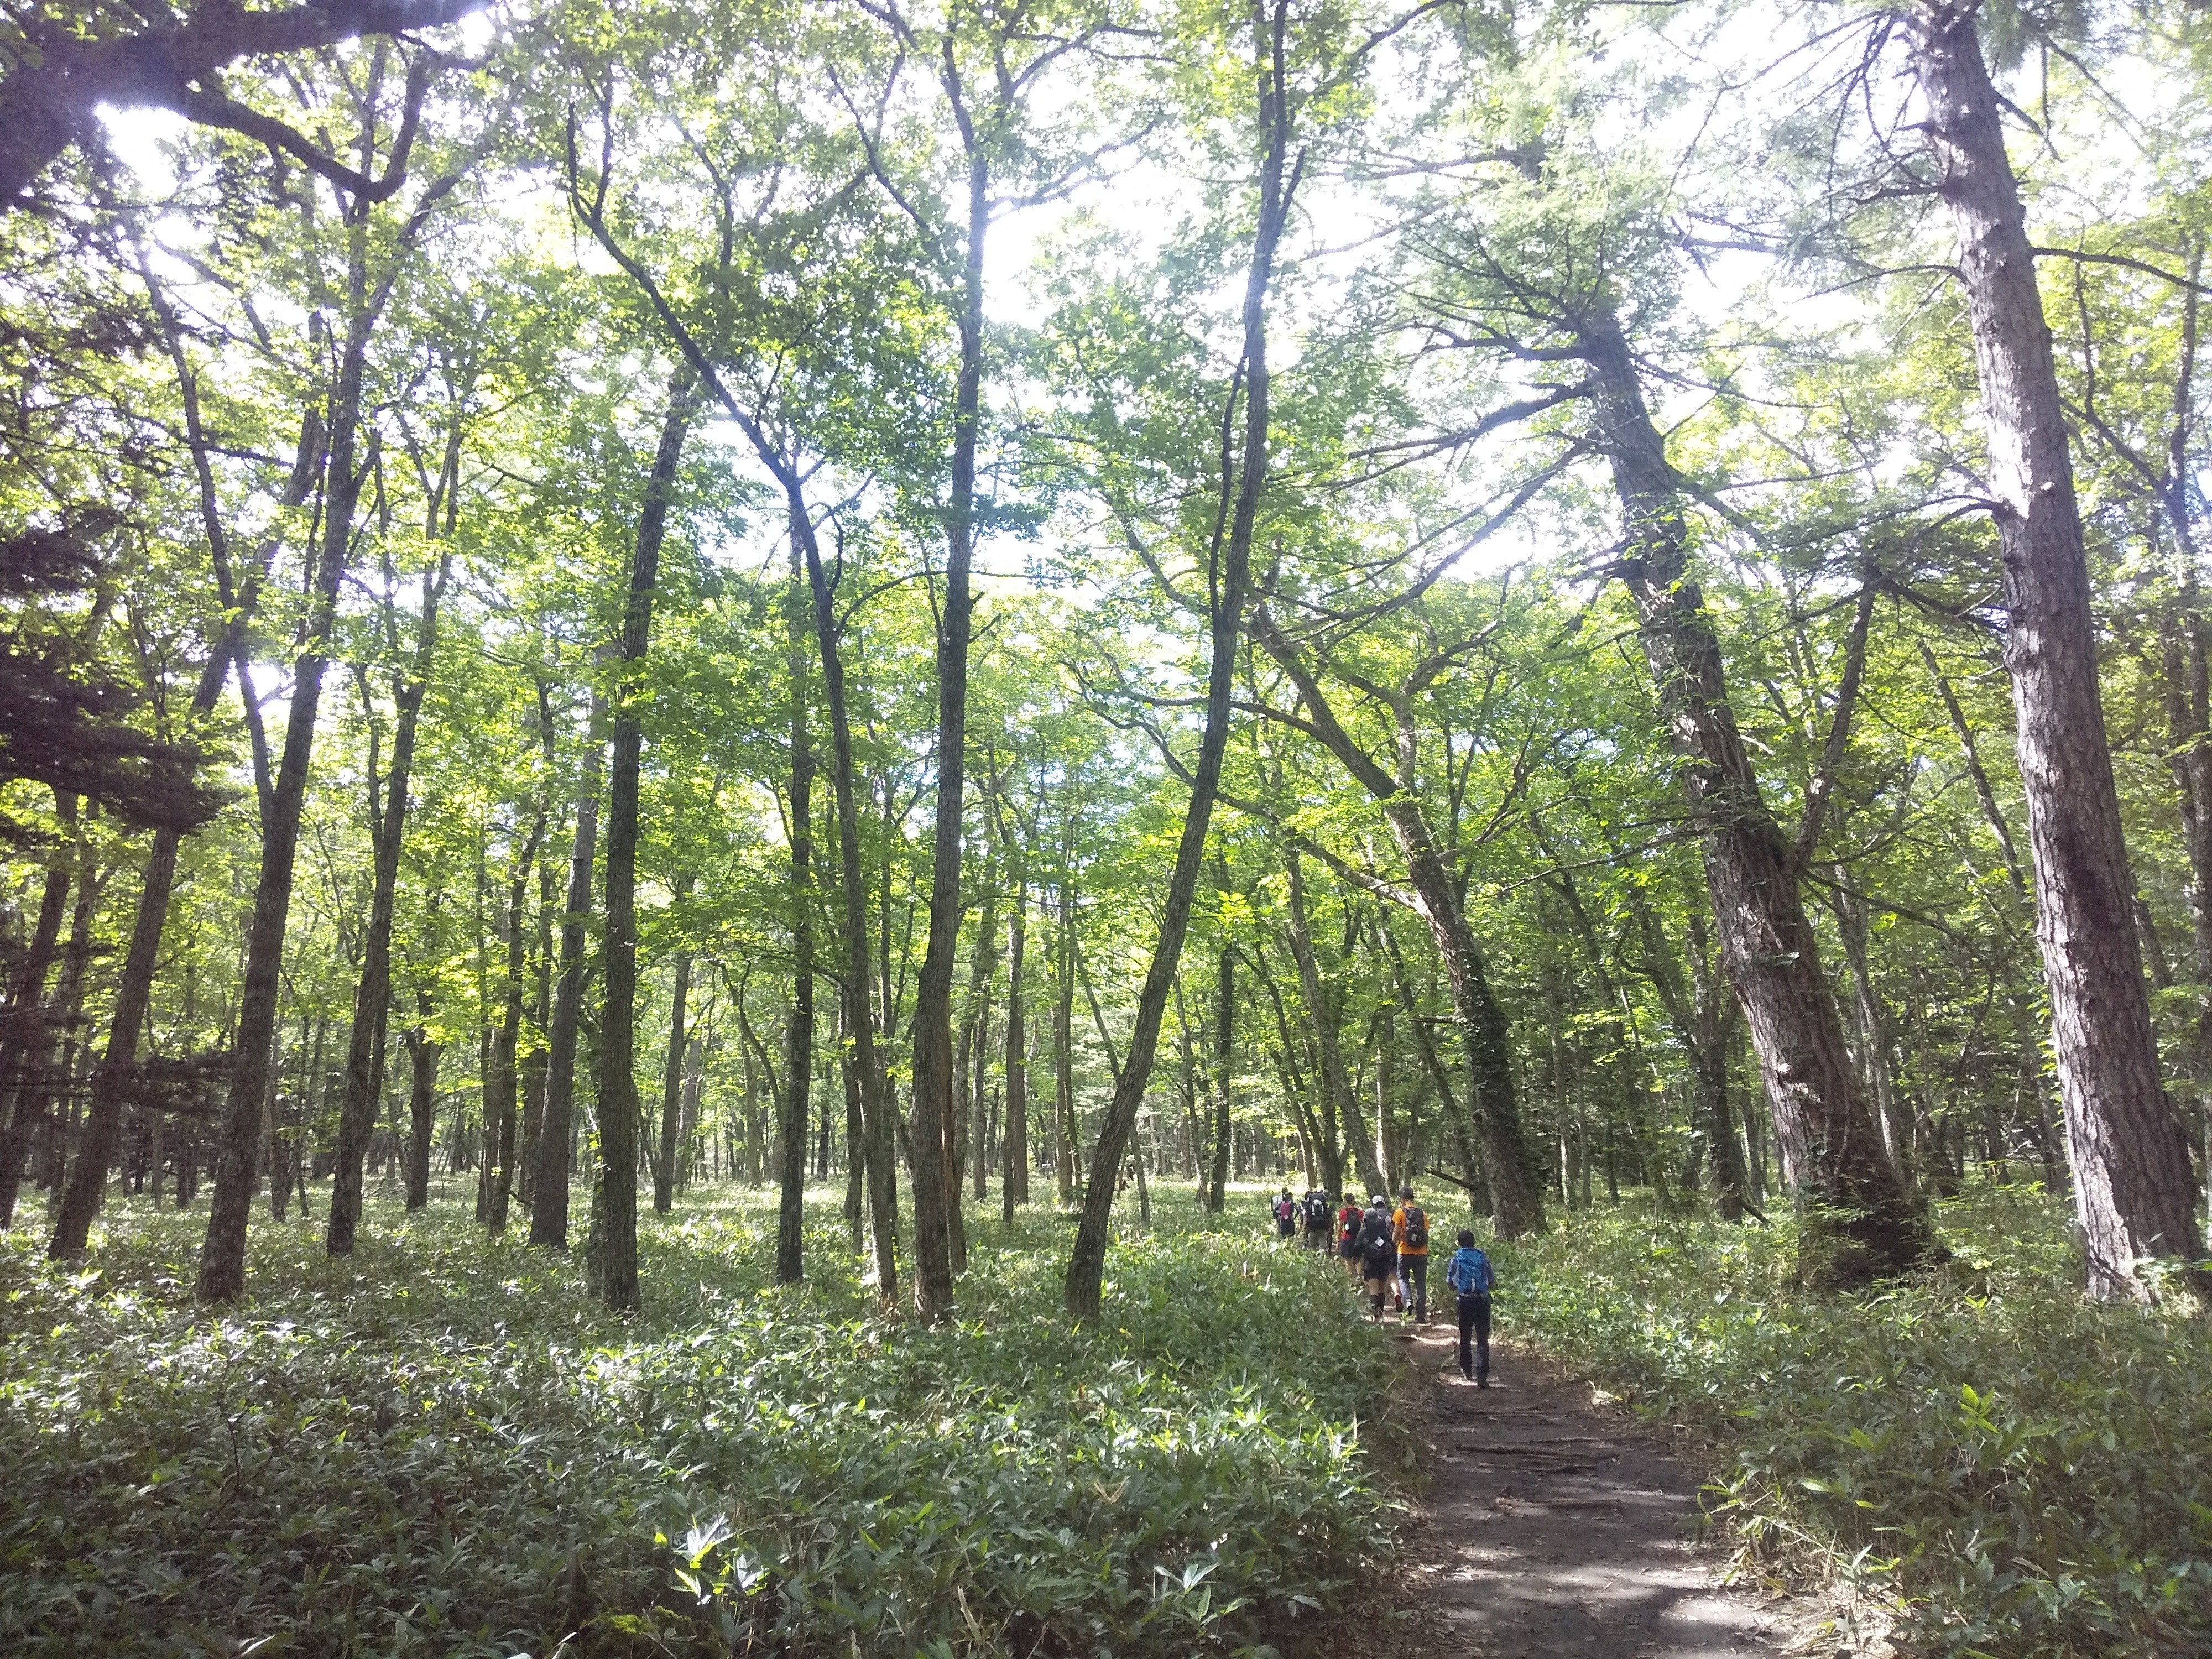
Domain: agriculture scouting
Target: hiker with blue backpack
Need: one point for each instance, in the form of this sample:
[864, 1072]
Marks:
[1468, 1275]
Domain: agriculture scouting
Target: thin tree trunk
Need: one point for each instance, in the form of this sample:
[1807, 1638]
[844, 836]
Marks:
[1015, 1137]
[357, 1105]
[1224, 1070]
[672, 1080]
[1063, 1045]
[614, 1262]
[799, 1029]
[549, 1208]
[422, 1102]
[1324, 1015]
[1227, 594]
[502, 1088]
[2134, 1192]
[26, 1024]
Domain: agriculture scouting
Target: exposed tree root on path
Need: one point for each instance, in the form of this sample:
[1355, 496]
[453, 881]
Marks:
[1550, 1525]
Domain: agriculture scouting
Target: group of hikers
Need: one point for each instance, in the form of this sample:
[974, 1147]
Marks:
[1386, 1248]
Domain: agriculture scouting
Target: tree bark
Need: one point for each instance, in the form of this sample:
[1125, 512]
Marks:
[1325, 1014]
[26, 998]
[615, 1195]
[1015, 1137]
[549, 1208]
[671, 1078]
[357, 1105]
[1228, 586]
[1831, 1146]
[2133, 1189]
[502, 1088]
[237, 1142]
[1225, 1069]
[798, 1031]
[1515, 1172]
[934, 1097]
[422, 1102]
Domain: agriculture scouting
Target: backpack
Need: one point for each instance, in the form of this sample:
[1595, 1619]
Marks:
[1347, 1226]
[1375, 1246]
[1417, 1229]
[1317, 1213]
[1285, 1209]
[1470, 1271]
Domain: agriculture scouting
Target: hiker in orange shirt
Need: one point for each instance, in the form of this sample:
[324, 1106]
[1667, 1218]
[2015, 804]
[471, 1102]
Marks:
[1409, 1225]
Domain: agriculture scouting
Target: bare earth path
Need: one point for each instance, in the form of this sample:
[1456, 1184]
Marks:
[1551, 1527]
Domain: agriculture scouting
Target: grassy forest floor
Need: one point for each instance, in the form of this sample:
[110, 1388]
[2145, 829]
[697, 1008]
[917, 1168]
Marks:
[442, 1446]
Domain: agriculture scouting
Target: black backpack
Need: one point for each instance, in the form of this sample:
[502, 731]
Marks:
[1417, 1228]
[1375, 1246]
[1317, 1214]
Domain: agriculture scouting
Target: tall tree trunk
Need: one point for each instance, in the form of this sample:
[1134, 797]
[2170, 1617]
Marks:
[799, 1029]
[934, 1097]
[1831, 1146]
[549, 1206]
[134, 987]
[872, 1150]
[1230, 568]
[1324, 1013]
[422, 1102]
[502, 1088]
[2132, 1184]
[1515, 1171]
[1224, 1070]
[238, 1139]
[1063, 1045]
[372, 995]
[671, 1078]
[26, 1026]
[614, 1261]
[1015, 1137]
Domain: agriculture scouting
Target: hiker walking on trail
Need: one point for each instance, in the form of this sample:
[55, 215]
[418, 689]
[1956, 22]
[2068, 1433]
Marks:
[1378, 1253]
[1409, 1227]
[1347, 1234]
[1468, 1275]
[1287, 1215]
[1318, 1216]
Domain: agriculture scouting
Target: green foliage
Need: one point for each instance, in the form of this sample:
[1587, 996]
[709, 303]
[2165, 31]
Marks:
[2017, 1470]
[442, 1446]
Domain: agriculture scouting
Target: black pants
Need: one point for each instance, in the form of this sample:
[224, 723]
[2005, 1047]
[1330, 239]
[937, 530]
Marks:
[1474, 1320]
[1413, 1271]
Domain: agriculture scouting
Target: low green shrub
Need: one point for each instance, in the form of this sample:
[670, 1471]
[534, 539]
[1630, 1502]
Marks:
[2018, 1471]
[440, 1447]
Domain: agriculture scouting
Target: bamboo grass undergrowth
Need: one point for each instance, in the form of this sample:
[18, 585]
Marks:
[2005, 1467]
[442, 1446]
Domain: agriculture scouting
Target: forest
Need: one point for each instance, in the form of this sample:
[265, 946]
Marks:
[726, 724]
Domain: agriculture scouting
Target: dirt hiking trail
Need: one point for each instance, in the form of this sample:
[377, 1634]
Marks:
[1552, 1527]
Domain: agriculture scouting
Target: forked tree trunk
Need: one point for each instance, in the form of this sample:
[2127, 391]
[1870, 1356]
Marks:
[2132, 1183]
[614, 1262]
[238, 1139]
[1227, 598]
